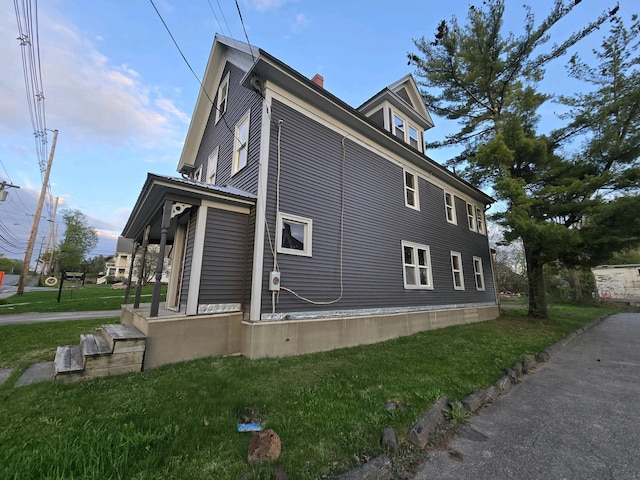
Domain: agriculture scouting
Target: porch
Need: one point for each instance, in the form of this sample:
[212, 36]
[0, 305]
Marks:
[175, 337]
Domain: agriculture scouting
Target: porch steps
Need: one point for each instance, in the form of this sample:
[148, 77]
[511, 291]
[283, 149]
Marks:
[115, 349]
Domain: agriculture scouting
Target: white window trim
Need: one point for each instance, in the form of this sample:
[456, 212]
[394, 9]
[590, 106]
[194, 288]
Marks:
[452, 207]
[471, 217]
[212, 166]
[414, 189]
[237, 146]
[308, 234]
[481, 225]
[417, 285]
[224, 87]
[197, 175]
[406, 124]
[478, 273]
[460, 271]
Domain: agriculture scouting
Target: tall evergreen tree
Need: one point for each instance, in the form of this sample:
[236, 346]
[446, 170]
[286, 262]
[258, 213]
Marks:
[487, 81]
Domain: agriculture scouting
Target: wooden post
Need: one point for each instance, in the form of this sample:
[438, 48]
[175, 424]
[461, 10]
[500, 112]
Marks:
[36, 219]
[164, 228]
[145, 246]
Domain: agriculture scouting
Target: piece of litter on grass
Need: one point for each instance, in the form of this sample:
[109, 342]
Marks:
[249, 427]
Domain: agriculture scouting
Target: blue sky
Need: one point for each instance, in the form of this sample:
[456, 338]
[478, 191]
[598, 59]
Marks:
[121, 96]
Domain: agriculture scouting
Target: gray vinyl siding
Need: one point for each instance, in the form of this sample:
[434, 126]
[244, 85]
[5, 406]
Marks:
[402, 93]
[376, 221]
[188, 261]
[378, 118]
[222, 134]
[224, 262]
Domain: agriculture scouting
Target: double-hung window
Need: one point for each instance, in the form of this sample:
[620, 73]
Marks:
[241, 144]
[480, 221]
[293, 234]
[197, 175]
[456, 270]
[398, 127]
[471, 217]
[413, 137]
[411, 190]
[212, 167]
[416, 260]
[478, 273]
[450, 207]
[223, 98]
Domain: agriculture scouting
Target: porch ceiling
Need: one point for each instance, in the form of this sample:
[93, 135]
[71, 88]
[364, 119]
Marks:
[157, 189]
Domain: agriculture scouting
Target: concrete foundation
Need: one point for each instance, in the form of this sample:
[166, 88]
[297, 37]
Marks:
[175, 337]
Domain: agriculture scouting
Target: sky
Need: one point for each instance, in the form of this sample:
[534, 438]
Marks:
[121, 96]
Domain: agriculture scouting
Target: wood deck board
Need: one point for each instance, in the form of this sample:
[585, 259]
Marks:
[68, 359]
[94, 344]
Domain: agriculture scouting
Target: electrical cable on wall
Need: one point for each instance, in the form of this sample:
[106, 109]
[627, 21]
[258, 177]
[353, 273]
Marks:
[342, 208]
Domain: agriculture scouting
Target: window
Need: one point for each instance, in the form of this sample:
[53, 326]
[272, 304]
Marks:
[294, 234]
[450, 207]
[478, 273]
[197, 175]
[480, 220]
[413, 137]
[398, 127]
[212, 166]
[416, 260]
[241, 145]
[411, 190]
[223, 98]
[471, 217]
[456, 269]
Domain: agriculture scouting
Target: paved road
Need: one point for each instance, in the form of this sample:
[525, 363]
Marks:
[19, 318]
[577, 417]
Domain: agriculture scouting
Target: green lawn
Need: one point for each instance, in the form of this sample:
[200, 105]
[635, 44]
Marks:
[73, 299]
[180, 421]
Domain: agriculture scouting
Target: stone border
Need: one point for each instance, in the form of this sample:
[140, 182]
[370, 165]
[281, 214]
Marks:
[380, 467]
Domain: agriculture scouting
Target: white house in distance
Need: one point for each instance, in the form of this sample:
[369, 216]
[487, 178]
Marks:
[618, 282]
[121, 263]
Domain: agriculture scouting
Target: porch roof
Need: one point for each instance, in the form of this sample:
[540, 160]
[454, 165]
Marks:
[159, 188]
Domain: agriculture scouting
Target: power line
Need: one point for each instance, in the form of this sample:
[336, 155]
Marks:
[245, 31]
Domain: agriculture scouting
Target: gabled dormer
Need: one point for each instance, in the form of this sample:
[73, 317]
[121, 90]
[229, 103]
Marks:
[399, 109]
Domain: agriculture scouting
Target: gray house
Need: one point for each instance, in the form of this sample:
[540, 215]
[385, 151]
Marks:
[302, 224]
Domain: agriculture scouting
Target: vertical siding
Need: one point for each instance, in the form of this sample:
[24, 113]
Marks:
[375, 223]
[221, 135]
[188, 261]
[225, 257]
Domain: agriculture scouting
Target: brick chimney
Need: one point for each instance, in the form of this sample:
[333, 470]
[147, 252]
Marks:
[318, 80]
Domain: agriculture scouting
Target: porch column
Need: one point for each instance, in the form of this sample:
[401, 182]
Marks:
[157, 287]
[145, 246]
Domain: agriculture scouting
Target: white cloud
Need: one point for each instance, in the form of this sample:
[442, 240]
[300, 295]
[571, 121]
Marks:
[264, 5]
[300, 23]
[87, 96]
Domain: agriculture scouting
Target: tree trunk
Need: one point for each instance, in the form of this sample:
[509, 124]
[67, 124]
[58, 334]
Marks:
[535, 276]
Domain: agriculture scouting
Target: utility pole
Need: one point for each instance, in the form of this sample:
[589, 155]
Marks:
[3, 192]
[36, 219]
[49, 246]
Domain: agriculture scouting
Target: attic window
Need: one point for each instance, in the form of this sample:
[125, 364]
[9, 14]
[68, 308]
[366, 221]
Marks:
[398, 127]
[223, 96]
[413, 137]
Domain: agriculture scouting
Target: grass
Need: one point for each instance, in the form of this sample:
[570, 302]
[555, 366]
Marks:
[179, 421]
[76, 299]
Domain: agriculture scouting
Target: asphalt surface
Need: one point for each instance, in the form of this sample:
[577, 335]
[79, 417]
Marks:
[9, 288]
[575, 417]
